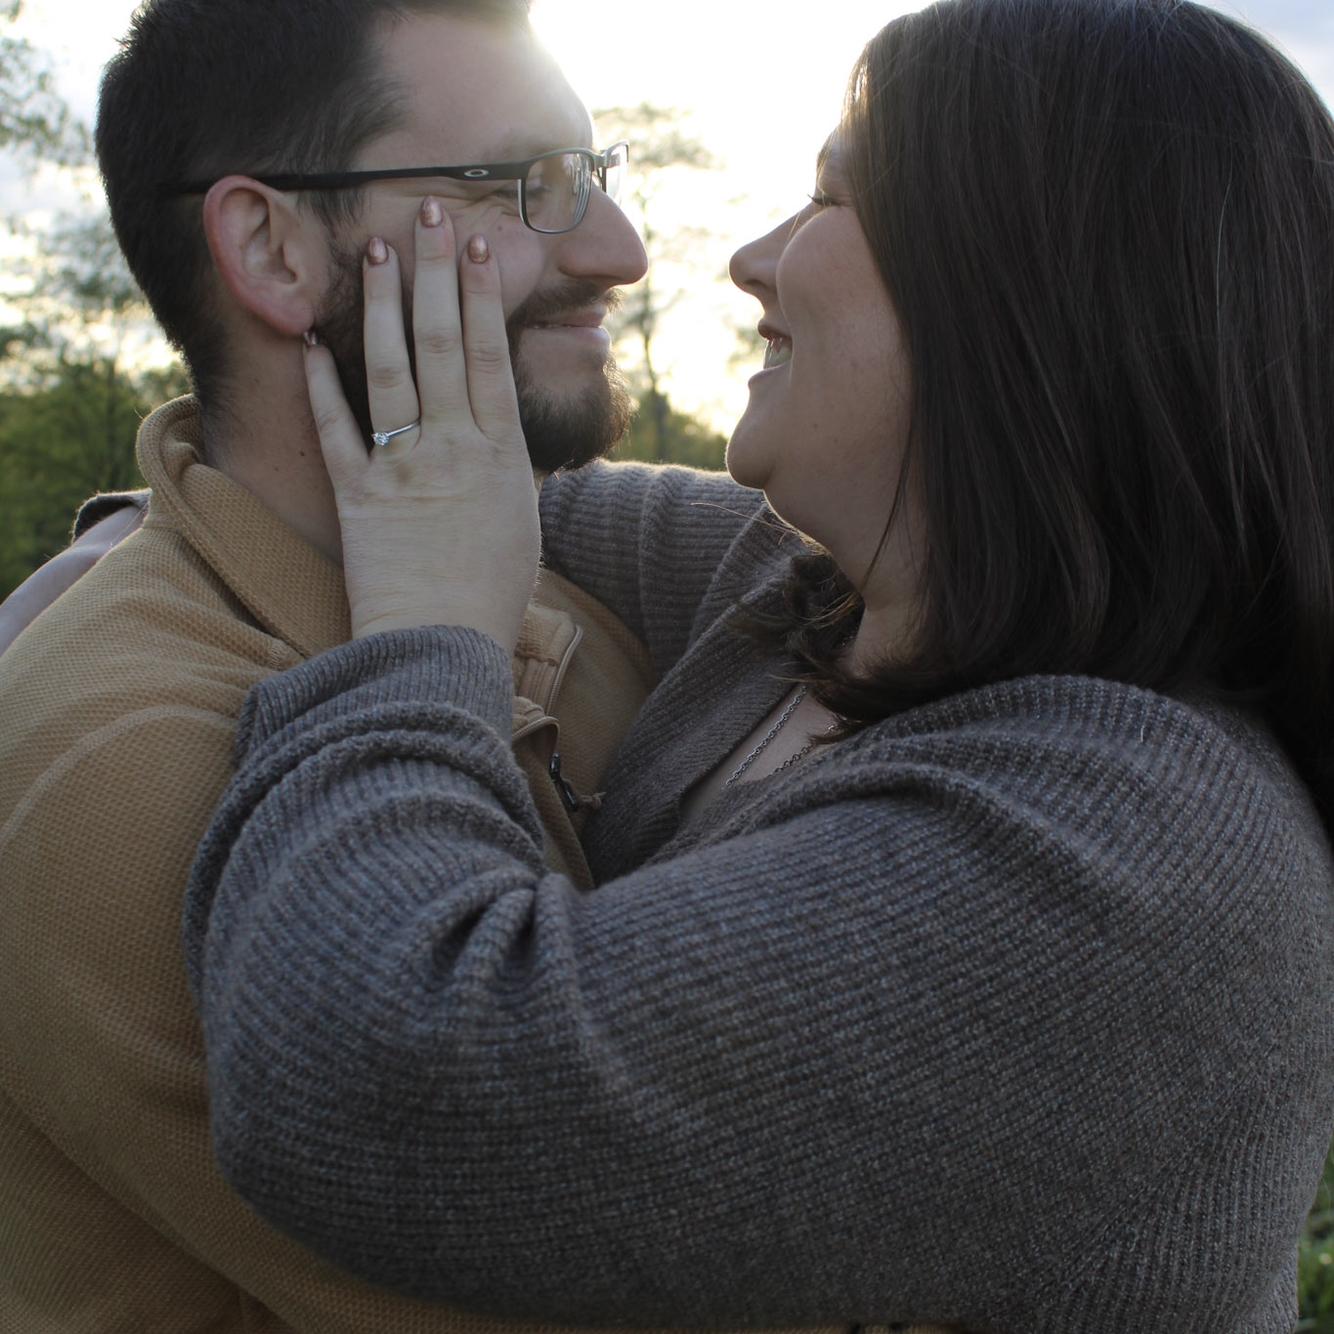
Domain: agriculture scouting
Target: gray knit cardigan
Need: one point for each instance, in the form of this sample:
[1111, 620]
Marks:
[1015, 1010]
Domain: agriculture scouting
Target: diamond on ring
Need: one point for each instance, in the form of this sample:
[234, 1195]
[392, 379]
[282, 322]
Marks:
[382, 438]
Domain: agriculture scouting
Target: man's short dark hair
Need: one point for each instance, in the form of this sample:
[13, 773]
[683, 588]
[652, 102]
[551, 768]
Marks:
[204, 88]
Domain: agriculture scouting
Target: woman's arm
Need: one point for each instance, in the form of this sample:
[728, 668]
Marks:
[646, 540]
[936, 1013]
[979, 994]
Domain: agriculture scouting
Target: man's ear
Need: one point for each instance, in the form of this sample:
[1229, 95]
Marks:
[271, 257]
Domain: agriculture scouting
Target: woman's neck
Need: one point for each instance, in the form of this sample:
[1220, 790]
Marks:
[884, 635]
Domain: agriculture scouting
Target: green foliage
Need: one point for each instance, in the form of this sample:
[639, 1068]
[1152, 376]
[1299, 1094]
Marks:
[60, 441]
[1315, 1261]
[660, 434]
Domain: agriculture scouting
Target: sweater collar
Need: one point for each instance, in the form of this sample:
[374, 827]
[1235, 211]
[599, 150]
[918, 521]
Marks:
[293, 591]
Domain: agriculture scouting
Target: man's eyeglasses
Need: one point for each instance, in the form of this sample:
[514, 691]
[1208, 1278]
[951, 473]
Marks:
[553, 187]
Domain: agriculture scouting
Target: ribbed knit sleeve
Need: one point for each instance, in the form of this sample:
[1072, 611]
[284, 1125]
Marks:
[649, 542]
[1015, 1010]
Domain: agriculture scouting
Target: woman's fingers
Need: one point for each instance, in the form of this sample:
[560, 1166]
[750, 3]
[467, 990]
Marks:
[495, 405]
[389, 384]
[445, 531]
[463, 379]
[442, 383]
[340, 438]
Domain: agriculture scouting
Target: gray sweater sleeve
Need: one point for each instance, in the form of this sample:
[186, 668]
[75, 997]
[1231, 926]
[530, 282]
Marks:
[647, 541]
[1003, 982]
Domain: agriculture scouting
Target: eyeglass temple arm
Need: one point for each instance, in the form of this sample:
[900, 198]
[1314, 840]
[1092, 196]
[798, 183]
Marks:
[339, 180]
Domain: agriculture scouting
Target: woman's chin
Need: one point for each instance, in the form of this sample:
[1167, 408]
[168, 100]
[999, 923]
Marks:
[745, 460]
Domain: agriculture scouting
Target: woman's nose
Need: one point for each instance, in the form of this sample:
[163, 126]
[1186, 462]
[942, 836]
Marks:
[752, 267]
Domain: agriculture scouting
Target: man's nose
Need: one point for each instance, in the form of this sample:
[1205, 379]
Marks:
[605, 246]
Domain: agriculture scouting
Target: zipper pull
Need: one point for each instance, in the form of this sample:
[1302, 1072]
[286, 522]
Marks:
[569, 797]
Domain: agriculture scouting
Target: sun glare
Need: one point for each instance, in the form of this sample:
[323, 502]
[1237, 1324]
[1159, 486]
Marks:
[760, 86]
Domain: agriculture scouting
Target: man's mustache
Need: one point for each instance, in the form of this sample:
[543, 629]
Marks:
[567, 298]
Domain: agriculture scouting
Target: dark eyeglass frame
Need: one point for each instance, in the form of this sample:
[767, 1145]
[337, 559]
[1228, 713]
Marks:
[599, 164]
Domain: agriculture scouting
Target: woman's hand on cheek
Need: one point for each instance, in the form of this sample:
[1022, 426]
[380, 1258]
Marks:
[440, 524]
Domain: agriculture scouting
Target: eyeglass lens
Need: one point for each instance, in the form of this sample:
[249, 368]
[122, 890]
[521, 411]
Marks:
[556, 191]
[616, 164]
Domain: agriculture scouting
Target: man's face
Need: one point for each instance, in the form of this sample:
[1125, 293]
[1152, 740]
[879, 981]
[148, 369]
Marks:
[479, 92]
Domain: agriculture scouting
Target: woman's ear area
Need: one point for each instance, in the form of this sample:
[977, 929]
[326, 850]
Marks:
[271, 255]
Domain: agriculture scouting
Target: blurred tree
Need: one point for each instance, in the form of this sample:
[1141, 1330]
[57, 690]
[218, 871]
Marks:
[660, 149]
[671, 437]
[34, 118]
[76, 295]
[73, 392]
[73, 289]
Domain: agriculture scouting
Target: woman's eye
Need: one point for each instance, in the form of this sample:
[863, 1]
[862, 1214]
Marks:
[822, 200]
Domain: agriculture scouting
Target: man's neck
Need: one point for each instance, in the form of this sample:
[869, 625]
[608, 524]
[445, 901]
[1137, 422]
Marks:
[270, 447]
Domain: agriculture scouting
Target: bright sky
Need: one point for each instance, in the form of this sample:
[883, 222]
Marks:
[762, 84]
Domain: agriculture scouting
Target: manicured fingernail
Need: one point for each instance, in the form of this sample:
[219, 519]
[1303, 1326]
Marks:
[312, 338]
[478, 250]
[432, 214]
[376, 251]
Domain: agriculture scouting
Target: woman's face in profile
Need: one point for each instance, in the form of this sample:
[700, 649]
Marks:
[825, 429]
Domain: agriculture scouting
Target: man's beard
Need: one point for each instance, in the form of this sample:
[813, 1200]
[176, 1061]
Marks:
[561, 431]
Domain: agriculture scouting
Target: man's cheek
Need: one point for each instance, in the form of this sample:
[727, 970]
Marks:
[520, 267]
[526, 368]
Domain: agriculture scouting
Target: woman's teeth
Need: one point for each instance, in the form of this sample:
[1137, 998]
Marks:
[778, 352]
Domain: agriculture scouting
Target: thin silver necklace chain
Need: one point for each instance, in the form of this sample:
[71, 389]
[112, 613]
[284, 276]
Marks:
[793, 705]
